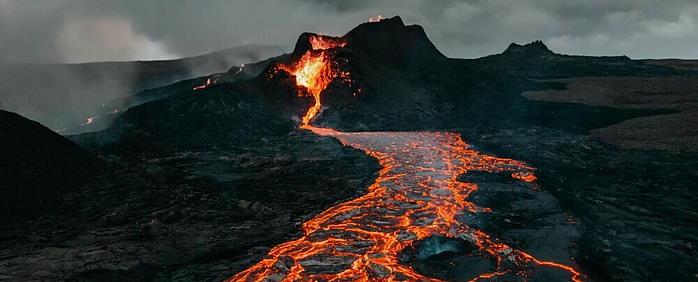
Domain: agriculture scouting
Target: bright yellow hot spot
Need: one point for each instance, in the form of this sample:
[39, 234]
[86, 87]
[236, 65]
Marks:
[314, 71]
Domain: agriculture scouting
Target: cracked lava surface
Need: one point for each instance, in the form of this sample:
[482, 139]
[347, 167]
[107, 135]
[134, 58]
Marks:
[416, 195]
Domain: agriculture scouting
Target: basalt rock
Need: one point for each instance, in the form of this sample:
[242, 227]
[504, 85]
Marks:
[38, 166]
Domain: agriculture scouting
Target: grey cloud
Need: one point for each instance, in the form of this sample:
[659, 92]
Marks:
[25, 28]
[638, 28]
[341, 6]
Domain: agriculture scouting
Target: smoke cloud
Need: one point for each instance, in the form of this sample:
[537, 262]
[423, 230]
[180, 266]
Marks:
[106, 39]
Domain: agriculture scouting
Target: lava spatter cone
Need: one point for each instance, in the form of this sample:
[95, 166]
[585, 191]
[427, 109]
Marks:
[315, 69]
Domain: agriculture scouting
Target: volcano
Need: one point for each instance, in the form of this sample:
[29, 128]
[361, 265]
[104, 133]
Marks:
[373, 157]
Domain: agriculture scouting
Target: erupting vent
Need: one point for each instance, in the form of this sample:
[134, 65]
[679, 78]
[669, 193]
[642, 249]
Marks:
[315, 70]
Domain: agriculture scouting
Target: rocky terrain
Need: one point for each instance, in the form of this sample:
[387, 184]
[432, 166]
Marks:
[672, 131]
[63, 96]
[38, 166]
[200, 214]
[205, 182]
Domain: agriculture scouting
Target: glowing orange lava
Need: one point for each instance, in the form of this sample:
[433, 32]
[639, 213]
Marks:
[89, 121]
[525, 176]
[319, 42]
[416, 195]
[314, 70]
[377, 19]
[208, 82]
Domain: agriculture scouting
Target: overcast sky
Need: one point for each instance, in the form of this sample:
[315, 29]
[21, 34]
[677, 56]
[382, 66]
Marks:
[99, 30]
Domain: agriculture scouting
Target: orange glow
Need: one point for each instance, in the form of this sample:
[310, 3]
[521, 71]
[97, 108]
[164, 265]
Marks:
[208, 82]
[319, 42]
[416, 195]
[89, 121]
[315, 71]
[377, 19]
[525, 176]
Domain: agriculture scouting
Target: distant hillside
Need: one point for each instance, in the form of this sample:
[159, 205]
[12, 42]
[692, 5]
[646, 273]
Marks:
[535, 60]
[62, 96]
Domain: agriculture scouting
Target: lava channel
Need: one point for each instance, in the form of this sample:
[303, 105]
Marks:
[416, 195]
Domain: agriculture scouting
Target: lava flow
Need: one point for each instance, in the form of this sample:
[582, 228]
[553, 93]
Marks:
[416, 195]
[314, 70]
[208, 82]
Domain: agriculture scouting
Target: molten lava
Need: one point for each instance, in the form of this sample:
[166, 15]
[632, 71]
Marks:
[416, 195]
[377, 19]
[319, 42]
[208, 82]
[89, 121]
[315, 70]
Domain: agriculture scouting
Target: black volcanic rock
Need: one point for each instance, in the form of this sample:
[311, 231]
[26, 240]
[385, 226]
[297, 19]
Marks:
[535, 60]
[220, 114]
[535, 48]
[302, 44]
[390, 41]
[406, 84]
[192, 215]
[234, 74]
[270, 102]
[37, 166]
[238, 177]
[63, 96]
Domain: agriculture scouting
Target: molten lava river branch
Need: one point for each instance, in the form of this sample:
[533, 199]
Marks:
[416, 195]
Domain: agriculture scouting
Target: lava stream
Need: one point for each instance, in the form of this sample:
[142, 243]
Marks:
[208, 82]
[416, 195]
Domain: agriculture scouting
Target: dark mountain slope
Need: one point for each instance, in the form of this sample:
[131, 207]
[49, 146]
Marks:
[112, 108]
[391, 42]
[63, 96]
[535, 60]
[407, 84]
[221, 114]
[400, 81]
[37, 167]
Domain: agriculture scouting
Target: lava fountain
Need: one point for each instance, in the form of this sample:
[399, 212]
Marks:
[416, 195]
[315, 71]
